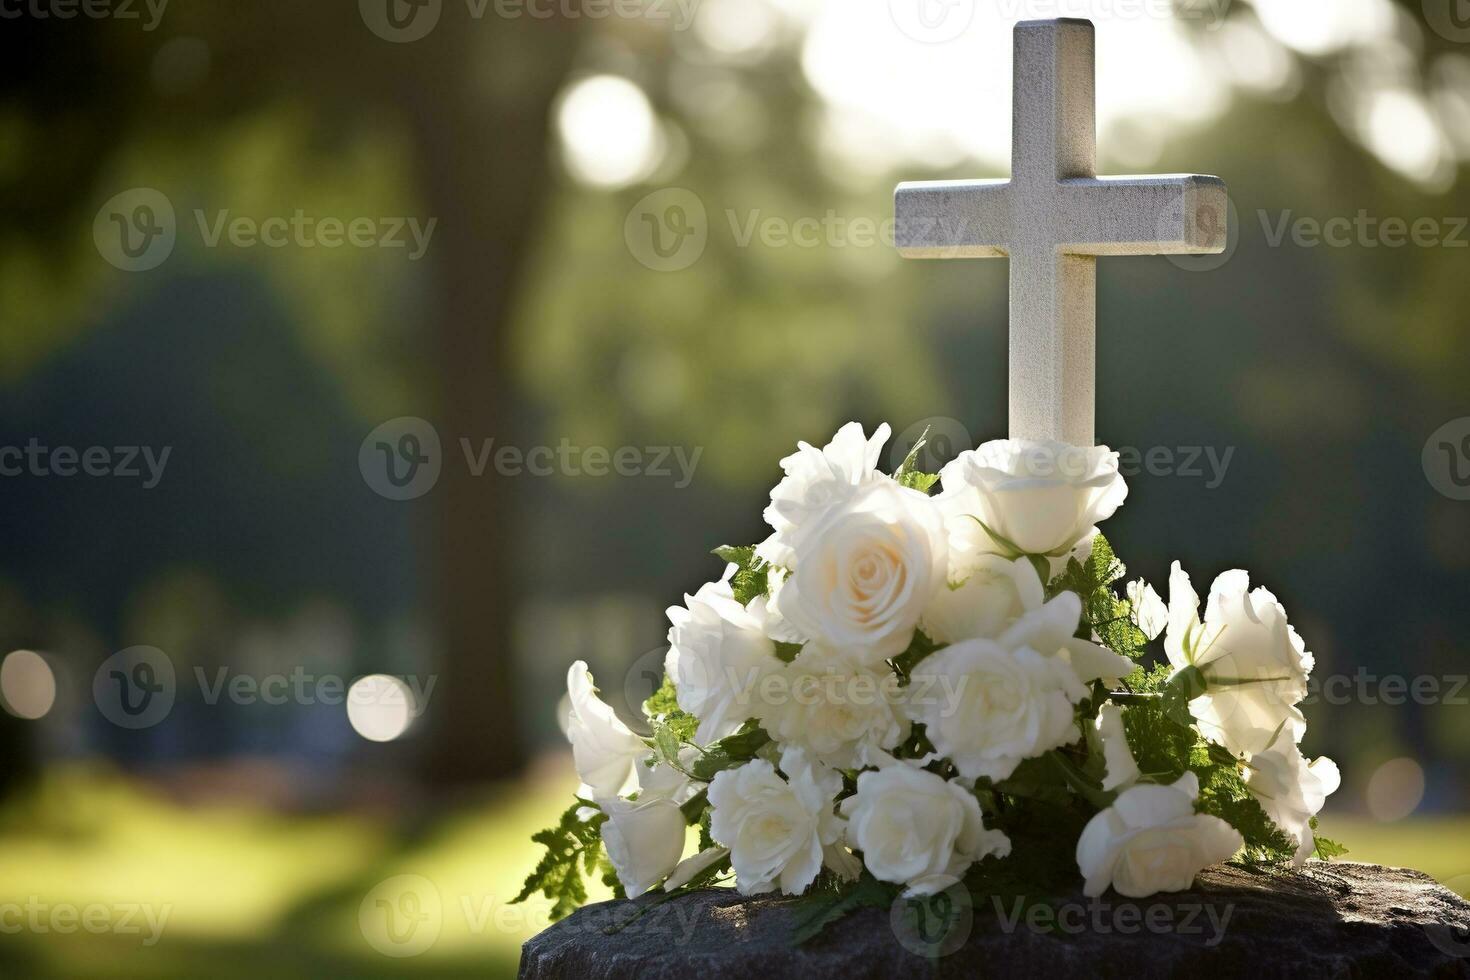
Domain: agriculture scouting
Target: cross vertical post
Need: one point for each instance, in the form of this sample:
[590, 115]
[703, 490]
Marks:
[1052, 219]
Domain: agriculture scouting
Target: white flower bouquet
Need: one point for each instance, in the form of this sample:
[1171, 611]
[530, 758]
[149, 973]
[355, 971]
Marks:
[902, 691]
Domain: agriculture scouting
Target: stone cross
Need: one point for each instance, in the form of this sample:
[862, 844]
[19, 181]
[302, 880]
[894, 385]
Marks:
[1052, 219]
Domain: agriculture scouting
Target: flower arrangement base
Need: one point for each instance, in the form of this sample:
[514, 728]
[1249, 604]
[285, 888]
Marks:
[1336, 919]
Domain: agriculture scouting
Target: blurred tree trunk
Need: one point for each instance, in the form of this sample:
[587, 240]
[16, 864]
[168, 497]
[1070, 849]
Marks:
[484, 170]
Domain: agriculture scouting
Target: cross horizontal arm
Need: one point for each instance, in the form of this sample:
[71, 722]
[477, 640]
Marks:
[952, 219]
[1169, 214]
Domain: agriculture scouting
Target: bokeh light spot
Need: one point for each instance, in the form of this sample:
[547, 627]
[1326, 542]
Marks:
[379, 707]
[27, 684]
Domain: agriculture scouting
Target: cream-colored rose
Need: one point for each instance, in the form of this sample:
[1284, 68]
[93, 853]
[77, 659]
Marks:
[834, 704]
[815, 480]
[916, 829]
[718, 653]
[1039, 498]
[1254, 664]
[644, 839]
[1292, 790]
[779, 831]
[604, 749]
[996, 592]
[986, 707]
[1151, 840]
[866, 570]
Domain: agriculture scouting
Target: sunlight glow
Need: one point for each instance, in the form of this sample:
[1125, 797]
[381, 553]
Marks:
[1318, 27]
[609, 133]
[735, 27]
[957, 94]
[1399, 129]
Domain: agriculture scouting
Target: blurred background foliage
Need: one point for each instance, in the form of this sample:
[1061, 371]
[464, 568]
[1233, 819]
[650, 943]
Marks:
[533, 319]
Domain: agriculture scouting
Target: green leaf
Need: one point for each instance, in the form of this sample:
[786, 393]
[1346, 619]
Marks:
[1326, 848]
[727, 753]
[573, 850]
[662, 708]
[786, 652]
[920, 646]
[1103, 611]
[915, 480]
[829, 901]
[751, 578]
[742, 554]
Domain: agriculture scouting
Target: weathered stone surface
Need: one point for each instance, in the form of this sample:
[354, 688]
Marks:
[1331, 920]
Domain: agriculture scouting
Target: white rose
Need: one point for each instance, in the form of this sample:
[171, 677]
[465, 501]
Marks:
[1254, 663]
[1051, 630]
[1122, 768]
[995, 593]
[986, 707]
[1045, 498]
[603, 748]
[866, 570]
[1150, 614]
[815, 479]
[779, 832]
[1292, 790]
[718, 652]
[644, 840]
[1151, 840]
[833, 704]
[915, 829]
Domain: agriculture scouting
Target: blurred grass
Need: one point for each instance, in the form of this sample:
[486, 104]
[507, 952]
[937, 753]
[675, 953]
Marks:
[251, 893]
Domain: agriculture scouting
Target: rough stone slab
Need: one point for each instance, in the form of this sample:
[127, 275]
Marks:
[1330, 920]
